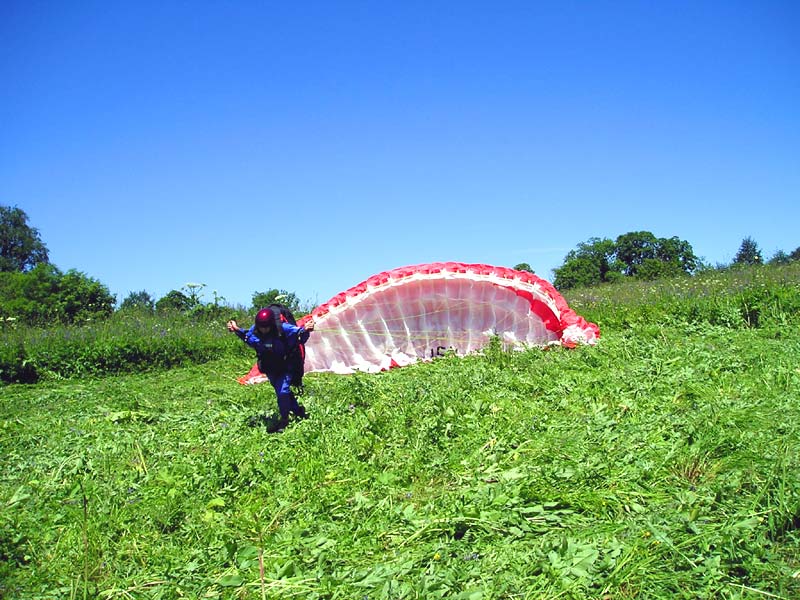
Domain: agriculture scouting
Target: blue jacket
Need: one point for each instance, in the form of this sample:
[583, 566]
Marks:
[272, 350]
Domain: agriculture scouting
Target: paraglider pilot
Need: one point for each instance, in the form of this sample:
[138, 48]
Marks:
[275, 349]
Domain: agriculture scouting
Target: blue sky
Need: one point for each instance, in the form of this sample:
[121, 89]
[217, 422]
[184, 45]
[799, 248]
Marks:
[307, 146]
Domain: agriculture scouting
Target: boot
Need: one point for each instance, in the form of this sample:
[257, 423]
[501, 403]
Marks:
[277, 424]
[258, 420]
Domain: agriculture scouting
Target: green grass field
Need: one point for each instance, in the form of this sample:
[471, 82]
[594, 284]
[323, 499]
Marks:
[662, 463]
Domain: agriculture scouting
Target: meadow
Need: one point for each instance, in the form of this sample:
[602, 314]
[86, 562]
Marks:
[662, 463]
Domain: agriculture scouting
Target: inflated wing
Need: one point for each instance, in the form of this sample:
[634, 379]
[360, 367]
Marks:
[418, 312]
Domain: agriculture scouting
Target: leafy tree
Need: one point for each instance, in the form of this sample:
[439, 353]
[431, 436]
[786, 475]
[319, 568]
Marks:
[523, 267]
[27, 297]
[593, 262]
[141, 300]
[83, 298]
[647, 257]
[44, 295]
[677, 256]
[653, 268]
[634, 248]
[637, 254]
[174, 301]
[780, 258]
[795, 254]
[748, 254]
[21, 249]
[288, 299]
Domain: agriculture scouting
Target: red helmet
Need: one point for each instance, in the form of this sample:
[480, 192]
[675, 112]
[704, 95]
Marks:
[265, 317]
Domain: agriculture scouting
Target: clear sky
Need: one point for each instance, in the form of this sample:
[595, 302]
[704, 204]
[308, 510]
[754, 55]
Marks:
[308, 145]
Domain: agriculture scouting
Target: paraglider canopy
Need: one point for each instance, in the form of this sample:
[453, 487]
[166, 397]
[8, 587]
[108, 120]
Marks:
[413, 313]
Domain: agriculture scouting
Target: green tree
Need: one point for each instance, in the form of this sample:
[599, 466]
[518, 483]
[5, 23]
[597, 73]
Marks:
[82, 298]
[141, 301]
[591, 263]
[795, 254]
[652, 268]
[748, 253]
[677, 255]
[44, 295]
[647, 257]
[638, 254]
[634, 248]
[287, 299]
[21, 248]
[523, 267]
[780, 258]
[174, 300]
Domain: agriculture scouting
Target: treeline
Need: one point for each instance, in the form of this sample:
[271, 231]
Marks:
[45, 296]
[643, 256]
[34, 292]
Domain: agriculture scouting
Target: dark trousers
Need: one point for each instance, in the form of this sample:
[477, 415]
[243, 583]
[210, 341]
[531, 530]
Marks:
[286, 401]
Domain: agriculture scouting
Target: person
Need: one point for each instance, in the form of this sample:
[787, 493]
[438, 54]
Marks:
[273, 349]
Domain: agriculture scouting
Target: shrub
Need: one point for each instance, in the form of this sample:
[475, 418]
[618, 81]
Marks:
[45, 294]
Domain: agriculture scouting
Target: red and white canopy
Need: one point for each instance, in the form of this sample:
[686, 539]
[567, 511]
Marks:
[414, 313]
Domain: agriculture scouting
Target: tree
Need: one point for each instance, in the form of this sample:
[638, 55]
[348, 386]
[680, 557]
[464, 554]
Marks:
[287, 299]
[592, 263]
[141, 300]
[653, 268]
[678, 255]
[82, 298]
[748, 254]
[21, 249]
[780, 258]
[523, 267]
[45, 295]
[637, 254]
[634, 248]
[647, 257]
[795, 254]
[174, 300]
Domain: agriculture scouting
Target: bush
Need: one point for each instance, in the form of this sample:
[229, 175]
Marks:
[45, 294]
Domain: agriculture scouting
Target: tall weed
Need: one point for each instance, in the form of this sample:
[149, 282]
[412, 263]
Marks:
[756, 296]
[126, 342]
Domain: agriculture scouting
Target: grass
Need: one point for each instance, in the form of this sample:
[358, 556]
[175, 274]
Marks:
[662, 463]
